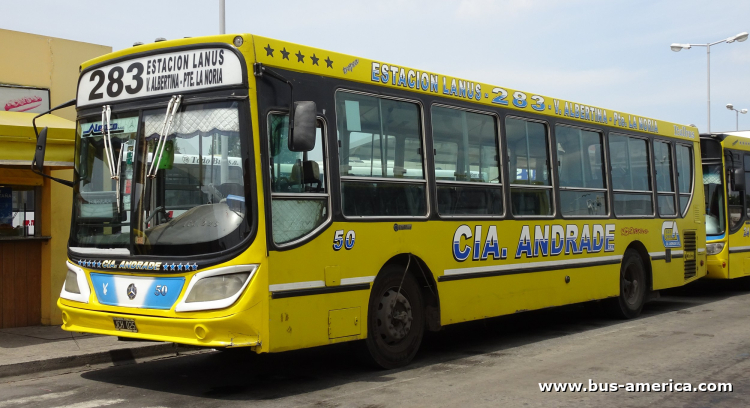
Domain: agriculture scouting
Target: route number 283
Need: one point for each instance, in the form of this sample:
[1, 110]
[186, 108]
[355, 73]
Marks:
[340, 241]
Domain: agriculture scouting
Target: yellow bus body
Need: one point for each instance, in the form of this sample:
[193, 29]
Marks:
[733, 261]
[271, 324]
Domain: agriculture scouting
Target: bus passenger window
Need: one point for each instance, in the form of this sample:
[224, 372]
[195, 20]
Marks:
[579, 163]
[631, 177]
[528, 156]
[664, 179]
[380, 156]
[685, 175]
[466, 166]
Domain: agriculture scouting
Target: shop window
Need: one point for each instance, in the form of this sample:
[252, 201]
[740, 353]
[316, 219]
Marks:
[18, 211]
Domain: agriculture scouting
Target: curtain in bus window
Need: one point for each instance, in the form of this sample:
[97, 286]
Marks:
[528, 158]
[299, 202]
[684, 175]
[466, 146]
[579, 163]
[664, 179]
[631, 179]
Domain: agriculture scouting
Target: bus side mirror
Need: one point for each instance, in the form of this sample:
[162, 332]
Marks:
[302, 134]
[738, 180]
[41, 146]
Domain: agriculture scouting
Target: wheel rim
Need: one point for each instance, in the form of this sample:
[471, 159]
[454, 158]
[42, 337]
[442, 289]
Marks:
[394, 316]
[631, 285]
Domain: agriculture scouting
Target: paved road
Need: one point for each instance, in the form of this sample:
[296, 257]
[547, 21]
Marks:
[696, 334]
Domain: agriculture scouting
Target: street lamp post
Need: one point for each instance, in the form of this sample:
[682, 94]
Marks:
[737, 115]
[679, 47]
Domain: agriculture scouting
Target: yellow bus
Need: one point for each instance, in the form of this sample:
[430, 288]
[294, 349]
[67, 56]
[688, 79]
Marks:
[726, 172]
[332, 198]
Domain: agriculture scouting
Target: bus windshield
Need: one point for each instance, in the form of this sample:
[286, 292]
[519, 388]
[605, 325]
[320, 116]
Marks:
[181, 187]
[714, 193]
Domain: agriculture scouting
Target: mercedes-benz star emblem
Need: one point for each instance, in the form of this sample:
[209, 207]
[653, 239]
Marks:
[132, 291]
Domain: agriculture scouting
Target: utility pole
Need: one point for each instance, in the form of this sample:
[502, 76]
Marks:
[222, 26]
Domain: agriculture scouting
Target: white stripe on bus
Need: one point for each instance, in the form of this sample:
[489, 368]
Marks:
[532, 265]
[318, 284]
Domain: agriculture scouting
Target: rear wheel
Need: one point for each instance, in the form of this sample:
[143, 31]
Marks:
[632, 287]
[395, 319]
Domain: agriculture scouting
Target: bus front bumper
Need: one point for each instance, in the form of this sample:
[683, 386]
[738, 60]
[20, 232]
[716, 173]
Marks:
[226, 331]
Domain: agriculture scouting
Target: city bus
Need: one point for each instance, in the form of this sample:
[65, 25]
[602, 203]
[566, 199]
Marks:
[332, 198]
[726, 174]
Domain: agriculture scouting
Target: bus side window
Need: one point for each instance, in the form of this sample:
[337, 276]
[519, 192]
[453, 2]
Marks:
[664, 179]
[631, 175]
[467, 171]
[299, 199]
[380, 158]
[685, 174]
[580, 157]
[528, 154]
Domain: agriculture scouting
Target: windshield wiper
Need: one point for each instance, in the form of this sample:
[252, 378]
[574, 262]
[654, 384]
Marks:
[114, 171]
[172, 107]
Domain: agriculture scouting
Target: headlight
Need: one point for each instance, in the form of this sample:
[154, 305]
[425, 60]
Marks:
[76, 287]
[714, 248]
[71, 283]
[216, 288]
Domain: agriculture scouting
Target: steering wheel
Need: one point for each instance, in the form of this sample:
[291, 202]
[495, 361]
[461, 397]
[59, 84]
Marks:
[157, 210]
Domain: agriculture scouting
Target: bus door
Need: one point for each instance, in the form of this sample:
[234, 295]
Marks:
[737, 164]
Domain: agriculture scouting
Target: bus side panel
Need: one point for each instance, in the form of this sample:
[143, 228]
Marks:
[472, 299]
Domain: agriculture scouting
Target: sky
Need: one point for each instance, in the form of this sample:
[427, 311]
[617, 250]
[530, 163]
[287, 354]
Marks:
[611, 54]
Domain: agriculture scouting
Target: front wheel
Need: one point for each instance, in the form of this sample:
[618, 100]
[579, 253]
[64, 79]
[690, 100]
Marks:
[395, 318]
[632, 287]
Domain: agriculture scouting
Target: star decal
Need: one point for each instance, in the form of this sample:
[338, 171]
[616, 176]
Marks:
[269, 50]
[195, 266]
[80, 262]
[179, 267]
[285, 54]
[329, 63]
[99, 264]
[314, 59]
[300, 57]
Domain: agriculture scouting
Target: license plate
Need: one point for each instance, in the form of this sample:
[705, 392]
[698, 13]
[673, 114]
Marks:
[123, 324]
[689, 255]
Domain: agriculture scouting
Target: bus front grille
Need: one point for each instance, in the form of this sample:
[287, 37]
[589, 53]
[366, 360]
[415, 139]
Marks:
[689, 254]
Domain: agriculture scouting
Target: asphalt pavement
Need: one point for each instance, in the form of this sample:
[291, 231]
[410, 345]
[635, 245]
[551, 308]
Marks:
[699, 334]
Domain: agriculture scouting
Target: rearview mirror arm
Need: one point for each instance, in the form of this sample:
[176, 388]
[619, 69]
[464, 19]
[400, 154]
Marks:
[71, 102]
[259, 70]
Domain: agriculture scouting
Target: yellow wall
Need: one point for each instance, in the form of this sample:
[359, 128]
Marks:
[53, 63]
[57, 201]
[45, 62]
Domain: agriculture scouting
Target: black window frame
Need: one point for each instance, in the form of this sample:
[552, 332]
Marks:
[327, 187]
[426, 181]
[609, 195]
[500, 185]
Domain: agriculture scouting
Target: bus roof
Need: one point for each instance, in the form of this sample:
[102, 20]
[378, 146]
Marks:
[301, 58]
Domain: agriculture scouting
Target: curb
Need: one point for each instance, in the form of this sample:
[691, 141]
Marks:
[122, 356]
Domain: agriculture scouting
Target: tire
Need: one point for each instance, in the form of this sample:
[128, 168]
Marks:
[395, 324]
[632, 287]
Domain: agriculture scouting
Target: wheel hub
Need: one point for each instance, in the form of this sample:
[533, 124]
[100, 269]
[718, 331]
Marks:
[394, 316]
